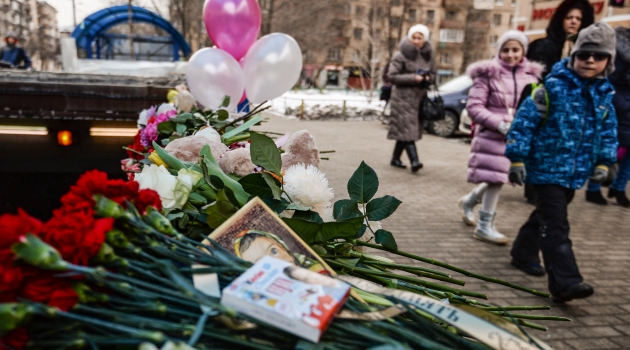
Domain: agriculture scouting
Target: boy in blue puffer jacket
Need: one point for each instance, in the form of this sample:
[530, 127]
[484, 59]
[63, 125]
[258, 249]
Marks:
[557, 148]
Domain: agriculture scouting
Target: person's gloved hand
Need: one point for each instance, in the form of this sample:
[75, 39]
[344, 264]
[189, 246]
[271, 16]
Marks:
[517, 173]
[504, 127]
[600, 174]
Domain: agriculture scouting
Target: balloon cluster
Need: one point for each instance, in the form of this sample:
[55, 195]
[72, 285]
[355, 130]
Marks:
[240, 66]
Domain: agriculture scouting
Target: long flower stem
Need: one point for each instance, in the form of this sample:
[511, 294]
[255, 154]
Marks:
[453, 268]
[405, 278]
[533, 317]
[516, 308]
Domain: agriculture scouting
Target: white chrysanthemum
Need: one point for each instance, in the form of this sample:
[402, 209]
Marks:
[307, 186]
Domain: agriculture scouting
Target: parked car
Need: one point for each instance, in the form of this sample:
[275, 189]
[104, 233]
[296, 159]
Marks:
[455, 94]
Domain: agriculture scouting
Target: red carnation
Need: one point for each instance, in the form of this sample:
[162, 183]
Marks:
[76, 234]
[16, 339]
[12, 227]
[42, 287]
[96, 182]
[137, 146]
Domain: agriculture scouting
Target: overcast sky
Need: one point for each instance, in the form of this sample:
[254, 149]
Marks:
[87, 7]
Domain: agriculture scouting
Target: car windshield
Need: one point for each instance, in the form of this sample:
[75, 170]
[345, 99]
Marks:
[460, 83]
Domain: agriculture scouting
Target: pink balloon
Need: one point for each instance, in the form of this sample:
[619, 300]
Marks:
[233, 25]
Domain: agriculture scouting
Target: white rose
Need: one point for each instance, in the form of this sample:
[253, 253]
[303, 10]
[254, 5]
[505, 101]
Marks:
[160, 180]
[165, 107]
[210, 134]
[186, 180]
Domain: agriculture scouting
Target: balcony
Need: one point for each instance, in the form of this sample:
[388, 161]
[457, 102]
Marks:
[455, 4]
[452, 24]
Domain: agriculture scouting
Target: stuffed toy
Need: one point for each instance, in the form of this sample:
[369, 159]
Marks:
[184, 101]
[187, 148]
[300, 149]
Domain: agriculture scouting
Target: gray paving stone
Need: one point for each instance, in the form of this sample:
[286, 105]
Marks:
[428, 223]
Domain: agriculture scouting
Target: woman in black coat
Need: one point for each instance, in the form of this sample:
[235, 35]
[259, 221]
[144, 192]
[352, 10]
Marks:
[570, 17]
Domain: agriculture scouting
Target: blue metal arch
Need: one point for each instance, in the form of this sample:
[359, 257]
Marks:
[96, 24]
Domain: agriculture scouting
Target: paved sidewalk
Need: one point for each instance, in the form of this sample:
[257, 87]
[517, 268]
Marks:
[428, 224]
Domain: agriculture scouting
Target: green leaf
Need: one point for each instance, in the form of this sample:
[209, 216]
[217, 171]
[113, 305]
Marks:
[211, 167]
[294, 206]
[226, 101]
[363, 184]
[222, 114]
[166, 128]
[220, 211]
[256, 185]
[265, 153]
[381, 208]
[341, 230]
[172, 162]
[216, 182]
[305, 229]
[231, 131]
[181, 128]
[278, 206]
[351, 262]
[386, 239]
[197, 199]
[186, 116]
[321, 251]
[273, 184]
[308, 216]
[361, 231]
[346, 209]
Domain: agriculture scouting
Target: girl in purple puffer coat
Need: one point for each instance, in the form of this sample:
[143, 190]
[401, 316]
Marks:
[492, 100]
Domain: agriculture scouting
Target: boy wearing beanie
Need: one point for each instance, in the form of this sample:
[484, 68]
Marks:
[556, 145]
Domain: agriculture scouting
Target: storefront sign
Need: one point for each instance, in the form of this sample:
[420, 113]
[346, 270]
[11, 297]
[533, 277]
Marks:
[546, 13]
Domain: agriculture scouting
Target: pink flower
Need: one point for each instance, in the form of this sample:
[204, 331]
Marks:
[150, 133]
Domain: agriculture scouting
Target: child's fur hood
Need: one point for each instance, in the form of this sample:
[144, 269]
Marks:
[492, 68]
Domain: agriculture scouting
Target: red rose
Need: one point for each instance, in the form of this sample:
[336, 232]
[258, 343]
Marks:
[76, 234]
[16, 339]
[136, 146]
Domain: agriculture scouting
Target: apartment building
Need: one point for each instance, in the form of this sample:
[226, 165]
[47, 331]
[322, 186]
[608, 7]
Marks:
[35, 24]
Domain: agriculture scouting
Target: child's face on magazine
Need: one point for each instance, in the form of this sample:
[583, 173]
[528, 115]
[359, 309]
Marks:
[263, 246]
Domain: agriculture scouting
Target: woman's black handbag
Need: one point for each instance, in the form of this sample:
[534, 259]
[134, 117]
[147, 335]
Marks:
[432, 109]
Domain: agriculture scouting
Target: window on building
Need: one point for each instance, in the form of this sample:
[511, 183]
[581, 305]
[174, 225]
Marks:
[392, 44]
[358, 33]
[379, 12]
[511, 20]
[395, 2]
[493, 40]
[412, 15]
[496, 20]
[513, 3]
[359, 11]
[498, 2]
[446, 58]
[451, 36]
[395, 22]
[430, 16]
[450, 15]
[334, 54]
[356, 56]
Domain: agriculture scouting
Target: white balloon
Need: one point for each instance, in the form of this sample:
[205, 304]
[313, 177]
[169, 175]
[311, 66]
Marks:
[272, 67]
[213, 74]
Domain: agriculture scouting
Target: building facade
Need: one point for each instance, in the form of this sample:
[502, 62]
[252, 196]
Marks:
[347, 43]
[35, 24]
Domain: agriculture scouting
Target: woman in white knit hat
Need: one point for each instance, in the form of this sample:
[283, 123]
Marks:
[411, 70]
[497, 86]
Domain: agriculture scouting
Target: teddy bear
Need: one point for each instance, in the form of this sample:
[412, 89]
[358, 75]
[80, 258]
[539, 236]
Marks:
[300, 149]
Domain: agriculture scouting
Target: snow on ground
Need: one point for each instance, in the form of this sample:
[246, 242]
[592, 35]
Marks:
[329, 104]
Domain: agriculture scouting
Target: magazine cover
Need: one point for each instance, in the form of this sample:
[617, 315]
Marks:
[256, 231]
[291, 298]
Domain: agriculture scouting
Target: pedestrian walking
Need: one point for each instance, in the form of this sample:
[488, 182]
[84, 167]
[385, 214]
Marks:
[411, 71]
[620, 79]
[570, 17]
[564, 133]
[492, 99]
[14, 55]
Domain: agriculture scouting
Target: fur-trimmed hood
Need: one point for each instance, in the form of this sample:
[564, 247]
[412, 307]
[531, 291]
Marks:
[411, 52]
[623, 43]
[492, 68]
